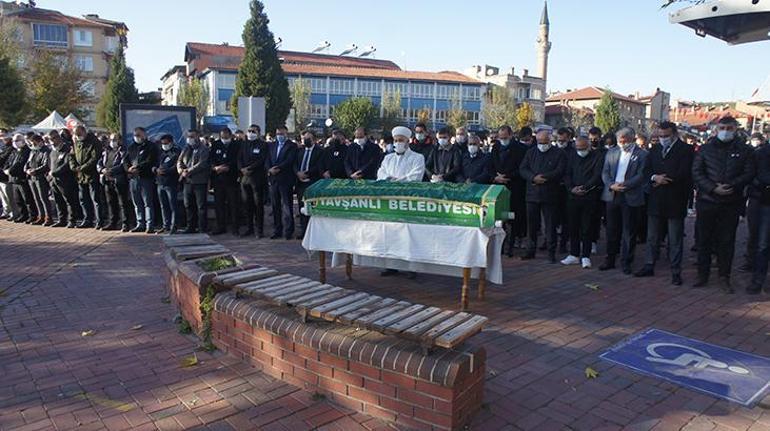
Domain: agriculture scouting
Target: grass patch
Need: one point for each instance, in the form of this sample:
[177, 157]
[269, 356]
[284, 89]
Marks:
[207, 309]
[317, 396]
[184, 326]
[217, 263]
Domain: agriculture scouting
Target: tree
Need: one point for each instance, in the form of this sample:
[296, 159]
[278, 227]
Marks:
[120, 89]
[10, 43]
[53, 83]
[425, 116]
[499, 108]
[607, 113]
[260, 72]
[195, 93]
[525, 115]
[300, 101]
[577, 118]
[391, 110]
[355, 112]
[12, 97]
[456, 117]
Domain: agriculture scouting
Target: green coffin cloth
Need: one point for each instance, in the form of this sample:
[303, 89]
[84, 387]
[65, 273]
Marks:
[472, 205]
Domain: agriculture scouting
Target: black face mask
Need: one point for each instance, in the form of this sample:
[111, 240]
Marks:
[308, 142]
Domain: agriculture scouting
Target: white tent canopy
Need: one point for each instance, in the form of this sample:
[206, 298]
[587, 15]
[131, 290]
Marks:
[53, 122]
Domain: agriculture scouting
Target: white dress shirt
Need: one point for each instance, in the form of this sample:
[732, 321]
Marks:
[625, 159]
[407, 167]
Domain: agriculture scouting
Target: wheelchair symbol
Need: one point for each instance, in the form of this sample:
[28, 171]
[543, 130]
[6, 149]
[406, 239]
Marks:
[693, 358]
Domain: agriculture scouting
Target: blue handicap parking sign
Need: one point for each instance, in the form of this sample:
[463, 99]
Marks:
[726, 373]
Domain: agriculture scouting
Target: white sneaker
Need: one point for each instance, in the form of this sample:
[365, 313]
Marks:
[594, 248]
[570, 260]
[586, 262]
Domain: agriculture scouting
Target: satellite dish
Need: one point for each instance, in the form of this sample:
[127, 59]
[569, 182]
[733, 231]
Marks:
[329, 122]
[368, 51]
[278, 42]
[350, 49]
[322, 46]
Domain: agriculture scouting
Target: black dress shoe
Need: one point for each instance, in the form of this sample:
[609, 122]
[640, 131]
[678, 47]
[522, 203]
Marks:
[138, 229]
[71, 225]
[627, 270]
[607, 265]
[247, 233]
[85, 226]
[746, 267]
[754, 289]
[725, 285]
[260, 235]
[59, 224]
[646, 271]
[551, 258]
[276, 236]
[701, 282]
[110, 227]
[676, 280]
[160, 231]
[189, 231]
[150, 230]
[528, 256]
[218, 232]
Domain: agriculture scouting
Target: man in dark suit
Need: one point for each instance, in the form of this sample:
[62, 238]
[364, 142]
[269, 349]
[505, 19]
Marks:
[224, 167]
[476, 164]
[363, 157]
[543, 168]
[194, 169]
[281, 178]
[141, 157]
[309, 166]
[624, 179]
[115, 181]
[507, 154]
[85, 154]
[445, 162]
[63, 183]
[334, 159]
[723, 167]
[251, 164]
[22, 193]
[669, 175]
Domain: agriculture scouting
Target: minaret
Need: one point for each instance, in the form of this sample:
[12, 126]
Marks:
[543, 44]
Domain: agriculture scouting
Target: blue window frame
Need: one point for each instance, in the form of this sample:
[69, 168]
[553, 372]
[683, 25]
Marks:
[50, 35]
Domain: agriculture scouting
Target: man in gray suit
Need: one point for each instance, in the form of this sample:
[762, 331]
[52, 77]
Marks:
[624, 181]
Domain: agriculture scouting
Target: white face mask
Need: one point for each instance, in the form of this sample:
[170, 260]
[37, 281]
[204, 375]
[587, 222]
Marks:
[443, 142]
[400, 147]
[562, 144]
[113, 144]
[756, 142]
[252, 136]
[582, 153]
[192, 142]
[419, 136]
[360, 141]
[138, 140]
[167, 147]
[666, 141]
[725, 135]
[461, 139]
[543, 147]
[226, 141]
[473, 149]
[505, 142]
[19, 144]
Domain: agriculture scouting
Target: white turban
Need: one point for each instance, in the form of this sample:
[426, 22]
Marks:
[401, 131]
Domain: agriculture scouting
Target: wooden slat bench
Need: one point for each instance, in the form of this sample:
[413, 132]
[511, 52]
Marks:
[429, 326]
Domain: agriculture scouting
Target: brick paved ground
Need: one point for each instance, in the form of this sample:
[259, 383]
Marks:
[546, 328]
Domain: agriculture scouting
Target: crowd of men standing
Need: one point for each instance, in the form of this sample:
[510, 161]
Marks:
[566, 190]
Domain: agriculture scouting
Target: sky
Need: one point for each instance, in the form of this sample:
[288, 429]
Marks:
[626, 45]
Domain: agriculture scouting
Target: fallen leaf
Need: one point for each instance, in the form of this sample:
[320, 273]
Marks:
[2, 292]
[189, 361]
[136, 327]
[166, 300]
[88, 333]
[591, 373]
[592, 286]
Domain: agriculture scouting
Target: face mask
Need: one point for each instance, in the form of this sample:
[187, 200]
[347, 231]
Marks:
[18, 144]
[505, 142]
[389, 148]
[443, 142]
[192, 142]
[167, 147]
[561, 144]
[281, 139]
[725, 135]
[400, 147]
[113, 144]
[226, 141]
[756, 142]
[138, 140]
[582, 153]
[308, 142]
[360, 141]
[666, 141]
[543, 147]
[461, 139]
[419, 136]
[473, 149]
[252, 136]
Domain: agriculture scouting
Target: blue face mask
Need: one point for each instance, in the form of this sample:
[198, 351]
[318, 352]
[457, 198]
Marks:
[281, 139]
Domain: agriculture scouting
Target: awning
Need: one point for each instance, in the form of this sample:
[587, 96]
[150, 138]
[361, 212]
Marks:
[733, 21]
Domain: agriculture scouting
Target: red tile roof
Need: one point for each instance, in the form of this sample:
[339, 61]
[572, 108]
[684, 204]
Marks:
[703, 115]
[449, 77]
[588, 93]
[52, 16]
[229, 56]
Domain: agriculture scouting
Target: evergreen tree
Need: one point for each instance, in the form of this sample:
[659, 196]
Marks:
[607, 113]
[260, 73]
[120, 89]
[12, 96]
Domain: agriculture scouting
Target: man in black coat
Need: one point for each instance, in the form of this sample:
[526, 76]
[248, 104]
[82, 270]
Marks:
[723, 167]
[507, 154]
[363, 157]
[224, 167]
[565, 142]
[6, 190]
[753, 207]
[309, 167]
[63, 183]
[761, 185]
[37, 169]
[335, 155]
[421, 143]
[281, 176]
[583, 183]
[476, 164]
[167, 179]
[22, 194]
[86, 150]
[542, 168]
[112, 169]
[251, 164]
[445, 162]
[669, 170]
[141, 158]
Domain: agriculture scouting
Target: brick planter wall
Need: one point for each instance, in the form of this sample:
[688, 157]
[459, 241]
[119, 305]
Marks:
[367, 371]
